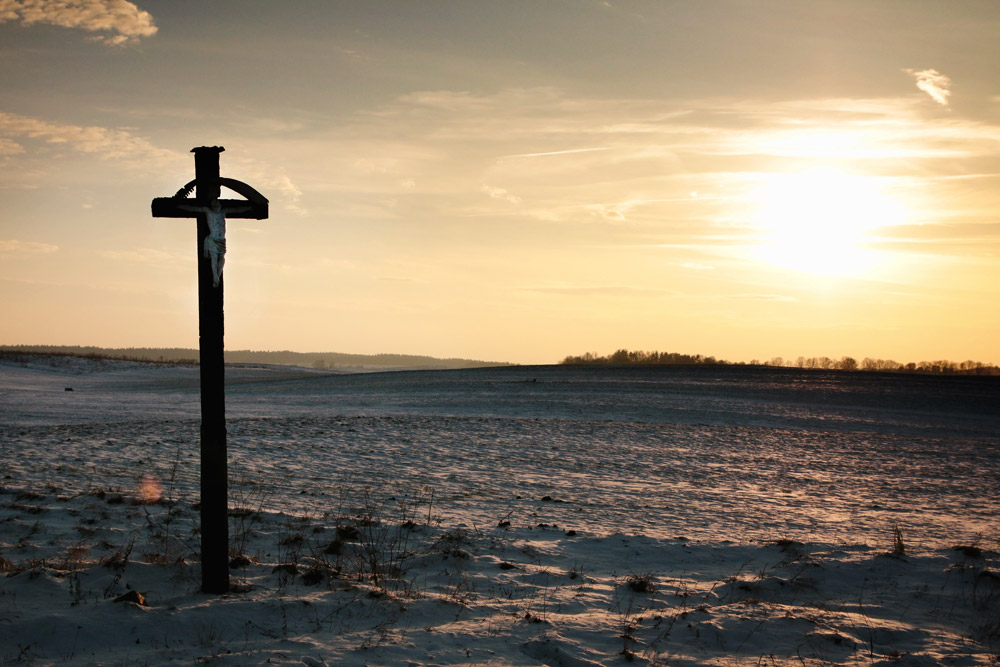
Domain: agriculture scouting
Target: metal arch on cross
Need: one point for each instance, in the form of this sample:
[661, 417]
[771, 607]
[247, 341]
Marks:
[167, 207]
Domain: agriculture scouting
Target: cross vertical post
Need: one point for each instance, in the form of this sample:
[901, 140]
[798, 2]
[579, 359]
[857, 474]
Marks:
[214, 444]
[211, 213]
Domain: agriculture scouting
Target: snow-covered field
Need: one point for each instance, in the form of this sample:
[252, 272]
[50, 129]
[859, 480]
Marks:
[502, 517]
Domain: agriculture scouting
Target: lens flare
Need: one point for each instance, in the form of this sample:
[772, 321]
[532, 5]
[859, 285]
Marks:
[150, 490]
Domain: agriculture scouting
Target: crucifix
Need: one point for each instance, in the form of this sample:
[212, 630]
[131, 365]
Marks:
[211, 213]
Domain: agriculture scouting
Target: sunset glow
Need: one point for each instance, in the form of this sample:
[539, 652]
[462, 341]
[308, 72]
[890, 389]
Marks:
[511, 182]
[822, 221]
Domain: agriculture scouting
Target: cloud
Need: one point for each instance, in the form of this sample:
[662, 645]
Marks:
[611, 213]
[15, 247]
[618, 212]
[8, 147]
[281, 184]
[564, 152]
[627, 164]
[501, 194]
[935, 84]
[764, 297]
[271, 181]
[150, 256]
[106, 142]
[597, 290]
[119, 21]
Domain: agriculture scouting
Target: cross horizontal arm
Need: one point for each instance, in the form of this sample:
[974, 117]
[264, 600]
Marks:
[172, 207]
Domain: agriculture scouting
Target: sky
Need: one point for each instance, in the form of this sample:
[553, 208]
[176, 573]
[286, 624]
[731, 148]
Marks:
[518, 180]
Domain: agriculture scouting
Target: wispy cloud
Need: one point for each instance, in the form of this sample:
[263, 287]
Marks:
[501, 194]
[763, 297]
[629, 166]
[117, 21]
[15, 247]
[105, 142]
[597, 290]
[8, 147]
[932, 82]
[271, 180]
[149, 256]
[290, 193]
[565, 152]
[27, 144]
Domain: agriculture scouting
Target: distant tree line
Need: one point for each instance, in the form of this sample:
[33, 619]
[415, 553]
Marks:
[25, 354]
[641, 357]
[942, 366]
[323, 360]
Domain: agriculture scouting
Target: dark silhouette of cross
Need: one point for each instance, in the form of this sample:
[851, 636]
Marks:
[211, 213]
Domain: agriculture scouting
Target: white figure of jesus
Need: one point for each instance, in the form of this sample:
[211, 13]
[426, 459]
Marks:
[215, 242]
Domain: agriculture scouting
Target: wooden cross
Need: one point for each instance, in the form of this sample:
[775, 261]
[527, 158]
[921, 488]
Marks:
[211, 212]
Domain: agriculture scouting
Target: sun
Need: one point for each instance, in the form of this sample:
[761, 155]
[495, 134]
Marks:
[821, 221]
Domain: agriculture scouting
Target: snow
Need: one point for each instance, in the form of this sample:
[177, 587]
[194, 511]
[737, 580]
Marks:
[377, 529]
